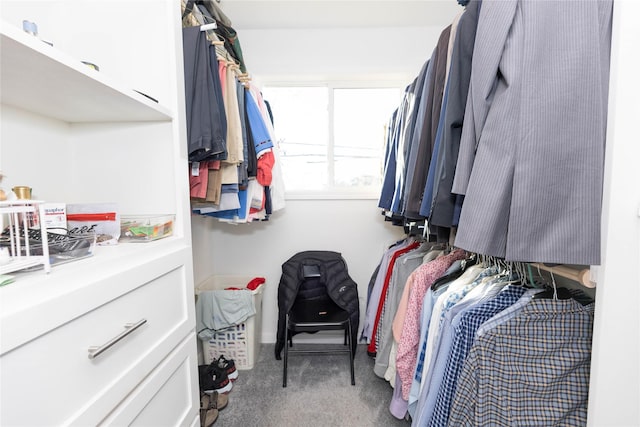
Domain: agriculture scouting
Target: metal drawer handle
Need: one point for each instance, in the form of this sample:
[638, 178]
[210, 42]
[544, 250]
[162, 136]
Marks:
[128, 328]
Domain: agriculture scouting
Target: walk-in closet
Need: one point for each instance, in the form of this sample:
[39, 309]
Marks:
[459, 178]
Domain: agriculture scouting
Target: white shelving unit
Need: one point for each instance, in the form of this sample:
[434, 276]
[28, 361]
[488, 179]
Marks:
[63, 94]
[78, 135]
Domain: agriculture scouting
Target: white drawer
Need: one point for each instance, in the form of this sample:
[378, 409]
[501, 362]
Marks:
[52, 381]
[167, 397]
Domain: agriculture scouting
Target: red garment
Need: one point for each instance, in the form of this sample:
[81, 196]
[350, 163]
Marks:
[255, 282]
[198, 183]
[252, 285]
[387, 278]
[265, 166]
[253, 210]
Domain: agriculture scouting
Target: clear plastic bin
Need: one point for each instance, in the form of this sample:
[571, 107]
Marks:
[239, 342]
[145, 228]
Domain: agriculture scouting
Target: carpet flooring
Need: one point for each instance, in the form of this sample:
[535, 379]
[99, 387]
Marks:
[318, 393]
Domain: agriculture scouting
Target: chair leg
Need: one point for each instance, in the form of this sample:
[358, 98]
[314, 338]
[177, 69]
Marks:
[286, 353]
[345, 336]
[353, 376]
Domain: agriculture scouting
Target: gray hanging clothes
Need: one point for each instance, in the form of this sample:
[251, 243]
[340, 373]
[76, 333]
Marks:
[532, 151]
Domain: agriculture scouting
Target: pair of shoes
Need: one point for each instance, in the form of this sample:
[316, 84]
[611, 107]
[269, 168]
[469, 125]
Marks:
[228, 365]
[213, 379]
[208, 409]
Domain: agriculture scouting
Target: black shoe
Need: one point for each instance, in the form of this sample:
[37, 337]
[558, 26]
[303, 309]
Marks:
[228, 365]
[213, 379]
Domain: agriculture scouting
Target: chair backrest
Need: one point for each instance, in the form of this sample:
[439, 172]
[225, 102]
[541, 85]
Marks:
[313, 303]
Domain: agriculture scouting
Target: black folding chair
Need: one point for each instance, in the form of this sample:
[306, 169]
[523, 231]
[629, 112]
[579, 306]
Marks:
[313, 311]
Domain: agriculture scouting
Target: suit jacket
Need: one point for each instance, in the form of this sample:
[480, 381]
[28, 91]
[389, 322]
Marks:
[532, 151]
[459, 76]
[437, 64]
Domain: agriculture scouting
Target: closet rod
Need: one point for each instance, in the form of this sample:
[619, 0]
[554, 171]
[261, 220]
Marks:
[581, 276]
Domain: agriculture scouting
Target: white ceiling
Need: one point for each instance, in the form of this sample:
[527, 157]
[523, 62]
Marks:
[270, 14]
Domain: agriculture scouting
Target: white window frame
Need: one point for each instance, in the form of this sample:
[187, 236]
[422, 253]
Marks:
[334, 193]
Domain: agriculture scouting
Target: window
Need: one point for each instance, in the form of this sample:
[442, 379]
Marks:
[331, 138]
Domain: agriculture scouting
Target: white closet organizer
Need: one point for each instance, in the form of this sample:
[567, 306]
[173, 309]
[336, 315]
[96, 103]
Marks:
[107, 340]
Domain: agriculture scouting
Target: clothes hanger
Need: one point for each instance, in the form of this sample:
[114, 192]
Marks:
[464, 264]
[553, 292]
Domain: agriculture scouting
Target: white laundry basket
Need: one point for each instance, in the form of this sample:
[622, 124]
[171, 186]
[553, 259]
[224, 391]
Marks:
[239, 342]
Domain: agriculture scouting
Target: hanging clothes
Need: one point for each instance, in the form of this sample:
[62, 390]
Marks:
[474, 310]
[408, 346]
[389, 174]
[532, 149]
[247, 154]
[436, 302]
[404, 266]
[541, 358]
[373, 344]
[376, 292]
[444, 203]
[206, 124]
[448, 302]
[521, 128]
[465, 327]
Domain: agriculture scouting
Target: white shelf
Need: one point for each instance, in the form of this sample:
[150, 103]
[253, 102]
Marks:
[20, 263]
[39, 78]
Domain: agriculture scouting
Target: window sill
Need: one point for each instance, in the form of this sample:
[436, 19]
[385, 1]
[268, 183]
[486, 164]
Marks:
[332, 195]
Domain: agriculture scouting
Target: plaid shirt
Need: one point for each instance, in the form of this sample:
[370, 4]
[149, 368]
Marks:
[532, 370]
[464, 329]
[507, 314]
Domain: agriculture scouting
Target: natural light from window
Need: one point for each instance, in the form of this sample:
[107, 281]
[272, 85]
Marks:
[331, 139]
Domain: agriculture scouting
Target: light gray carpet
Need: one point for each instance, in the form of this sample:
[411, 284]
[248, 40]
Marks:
[318, 393]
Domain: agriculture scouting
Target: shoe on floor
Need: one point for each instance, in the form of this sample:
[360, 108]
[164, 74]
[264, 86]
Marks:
[213, 379]
[218, 401]
[228, 365]
[208, 413]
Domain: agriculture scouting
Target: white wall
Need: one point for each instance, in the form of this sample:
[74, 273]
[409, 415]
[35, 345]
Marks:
[354, 228]
[343, 54]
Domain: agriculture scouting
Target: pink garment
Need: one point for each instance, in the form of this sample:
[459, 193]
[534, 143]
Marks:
[198, 183]
[257, 95]
[425, 276]
[401, 311]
